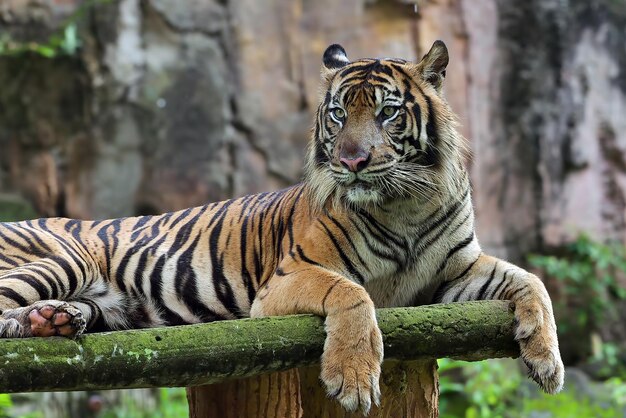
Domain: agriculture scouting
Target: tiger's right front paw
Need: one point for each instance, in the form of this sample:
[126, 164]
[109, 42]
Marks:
[353, 353]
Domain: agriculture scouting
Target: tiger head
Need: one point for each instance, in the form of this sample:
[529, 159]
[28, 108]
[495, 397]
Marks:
[383, 131]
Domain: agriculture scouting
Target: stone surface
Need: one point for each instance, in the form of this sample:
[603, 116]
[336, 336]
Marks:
[169, 105]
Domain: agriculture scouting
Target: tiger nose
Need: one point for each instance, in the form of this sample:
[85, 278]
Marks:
[357, 162]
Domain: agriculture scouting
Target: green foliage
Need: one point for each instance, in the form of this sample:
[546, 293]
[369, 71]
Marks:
[5, 405]
[497, 389]
[172, 404]
[66, 42]
[588, 272]
[567, 405]
[489, 390]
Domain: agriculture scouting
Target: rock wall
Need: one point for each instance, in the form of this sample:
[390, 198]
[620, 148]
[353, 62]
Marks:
[169, 104]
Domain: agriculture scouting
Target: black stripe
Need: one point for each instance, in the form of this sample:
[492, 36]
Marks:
[187, 286]
[305, 258]
[138, 227]
[72, 280]
[458, 295]
[408, 96]
[140, 245]
[156, 280]
[416, 111]
[484, 287]
[13, 295]
[245, 202]
[36, 237]
[460, 224]
[223, 289]
[8, 260]
[181, 215]
[434, 238]
[50, 277]
[243, 250]
[330, 289]
[382, 230]
[110, 248]
[290, 220]
[393, 255]
[95, 317]
[442, 218]
[495, 291]
[458, 247]
[515, 292]
[466, 270]
[141, 269]
[37, 285]
[60, 288]
[447, 285]
[354, 68]
[350, 241]
[78, 260]
[23, 248]
[346, 260]
[354, 306]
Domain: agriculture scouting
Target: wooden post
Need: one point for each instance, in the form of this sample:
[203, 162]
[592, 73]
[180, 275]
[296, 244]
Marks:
[409, 389]
[274, 395]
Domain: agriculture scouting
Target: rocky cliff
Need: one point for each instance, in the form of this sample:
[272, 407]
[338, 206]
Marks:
[168, 104]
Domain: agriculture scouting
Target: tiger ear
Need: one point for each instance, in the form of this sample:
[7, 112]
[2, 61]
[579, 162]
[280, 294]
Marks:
[432, 68]
[334, 58]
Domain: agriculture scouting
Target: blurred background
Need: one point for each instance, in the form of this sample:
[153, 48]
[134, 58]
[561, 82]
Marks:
[113, 108]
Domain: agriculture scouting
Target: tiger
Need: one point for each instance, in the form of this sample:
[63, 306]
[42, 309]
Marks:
[383, 217]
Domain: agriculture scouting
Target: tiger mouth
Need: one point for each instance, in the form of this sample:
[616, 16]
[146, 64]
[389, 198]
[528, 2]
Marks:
[361, 184]
[353, 180]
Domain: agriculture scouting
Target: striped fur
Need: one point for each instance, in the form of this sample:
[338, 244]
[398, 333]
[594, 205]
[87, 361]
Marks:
[398, 230]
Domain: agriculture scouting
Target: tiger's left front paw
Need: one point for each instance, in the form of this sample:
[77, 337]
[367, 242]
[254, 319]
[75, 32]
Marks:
[536, 334]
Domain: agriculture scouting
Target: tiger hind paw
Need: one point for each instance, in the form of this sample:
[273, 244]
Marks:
[42, 319]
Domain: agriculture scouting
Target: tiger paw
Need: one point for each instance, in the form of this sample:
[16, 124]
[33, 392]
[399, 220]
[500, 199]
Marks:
[43, 319]
[351, 362]
[536, 334]
[56, 318]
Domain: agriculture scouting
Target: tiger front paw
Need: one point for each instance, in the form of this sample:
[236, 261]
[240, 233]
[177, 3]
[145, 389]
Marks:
[539, 347]
[351, 362]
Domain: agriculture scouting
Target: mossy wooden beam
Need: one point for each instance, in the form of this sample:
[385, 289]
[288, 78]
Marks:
[209, 353]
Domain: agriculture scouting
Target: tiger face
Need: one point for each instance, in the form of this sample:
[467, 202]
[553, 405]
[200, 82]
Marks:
[377, 135]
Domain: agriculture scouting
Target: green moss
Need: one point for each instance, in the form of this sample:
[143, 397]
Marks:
[209, 353]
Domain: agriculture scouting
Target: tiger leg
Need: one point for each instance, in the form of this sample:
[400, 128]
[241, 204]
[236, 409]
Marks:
[491, 278]
[353, 350]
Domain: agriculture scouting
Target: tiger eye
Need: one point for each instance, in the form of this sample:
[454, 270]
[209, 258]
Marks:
[389, 111]
[339, 113]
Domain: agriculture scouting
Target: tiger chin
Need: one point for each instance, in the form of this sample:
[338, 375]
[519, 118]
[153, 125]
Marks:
[383, 218]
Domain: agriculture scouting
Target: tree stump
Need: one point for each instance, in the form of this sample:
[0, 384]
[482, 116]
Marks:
[409, 389]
